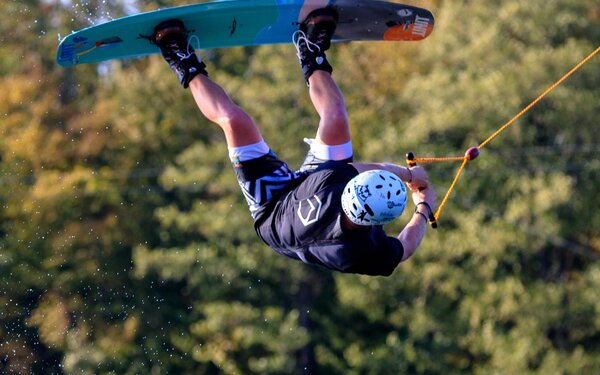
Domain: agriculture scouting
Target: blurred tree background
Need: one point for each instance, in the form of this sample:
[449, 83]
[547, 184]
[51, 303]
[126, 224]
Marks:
[126, 246]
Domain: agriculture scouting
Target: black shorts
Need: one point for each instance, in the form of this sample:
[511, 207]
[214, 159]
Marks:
[264, 179]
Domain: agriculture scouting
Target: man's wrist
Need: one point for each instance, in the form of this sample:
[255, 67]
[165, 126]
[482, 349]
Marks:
[429, 212]
[424, 216]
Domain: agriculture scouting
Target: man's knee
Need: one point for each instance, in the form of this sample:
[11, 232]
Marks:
[336, 114]
[232, 117]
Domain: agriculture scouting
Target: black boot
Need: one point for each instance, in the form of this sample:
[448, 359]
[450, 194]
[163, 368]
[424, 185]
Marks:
[171, 37]
[313, 38]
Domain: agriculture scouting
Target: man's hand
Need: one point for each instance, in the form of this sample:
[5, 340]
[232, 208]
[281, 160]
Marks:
[420, 179]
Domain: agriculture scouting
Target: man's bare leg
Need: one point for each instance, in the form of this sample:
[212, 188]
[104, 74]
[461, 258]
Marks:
[332, 141]
[329, 103]
[239, 128]
[214, 103]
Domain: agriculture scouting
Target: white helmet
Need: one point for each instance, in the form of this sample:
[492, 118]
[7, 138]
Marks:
[374, 197]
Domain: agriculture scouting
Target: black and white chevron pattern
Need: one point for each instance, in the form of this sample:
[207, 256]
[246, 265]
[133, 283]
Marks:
[260, 191]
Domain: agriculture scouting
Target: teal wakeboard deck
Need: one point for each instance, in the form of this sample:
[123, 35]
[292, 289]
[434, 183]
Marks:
[231, 23]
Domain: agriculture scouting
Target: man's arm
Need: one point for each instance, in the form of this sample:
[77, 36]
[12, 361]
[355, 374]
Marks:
[415, 177]
[418, 182]
[412, 235]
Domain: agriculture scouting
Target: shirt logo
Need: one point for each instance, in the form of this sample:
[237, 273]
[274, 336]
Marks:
[309, 210]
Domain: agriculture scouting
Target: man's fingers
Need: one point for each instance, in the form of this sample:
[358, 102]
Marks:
[414, 187]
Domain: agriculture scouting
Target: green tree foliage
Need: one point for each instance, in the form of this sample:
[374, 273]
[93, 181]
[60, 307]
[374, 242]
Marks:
[79, 191]
[126, 246]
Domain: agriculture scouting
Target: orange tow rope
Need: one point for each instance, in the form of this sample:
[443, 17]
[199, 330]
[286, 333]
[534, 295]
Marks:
[473, 152]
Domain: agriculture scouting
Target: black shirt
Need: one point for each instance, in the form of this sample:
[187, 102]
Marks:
[305, 224]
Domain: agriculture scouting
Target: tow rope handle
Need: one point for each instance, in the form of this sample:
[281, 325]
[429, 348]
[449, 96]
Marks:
[473, 152]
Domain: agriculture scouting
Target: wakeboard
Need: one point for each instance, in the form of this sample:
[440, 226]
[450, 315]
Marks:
[230, 23]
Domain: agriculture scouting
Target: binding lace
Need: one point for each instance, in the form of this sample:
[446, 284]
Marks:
[300, 36]
[191, 51]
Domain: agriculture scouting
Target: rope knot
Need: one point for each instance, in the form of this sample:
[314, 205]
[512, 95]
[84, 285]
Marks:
[472, 153]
